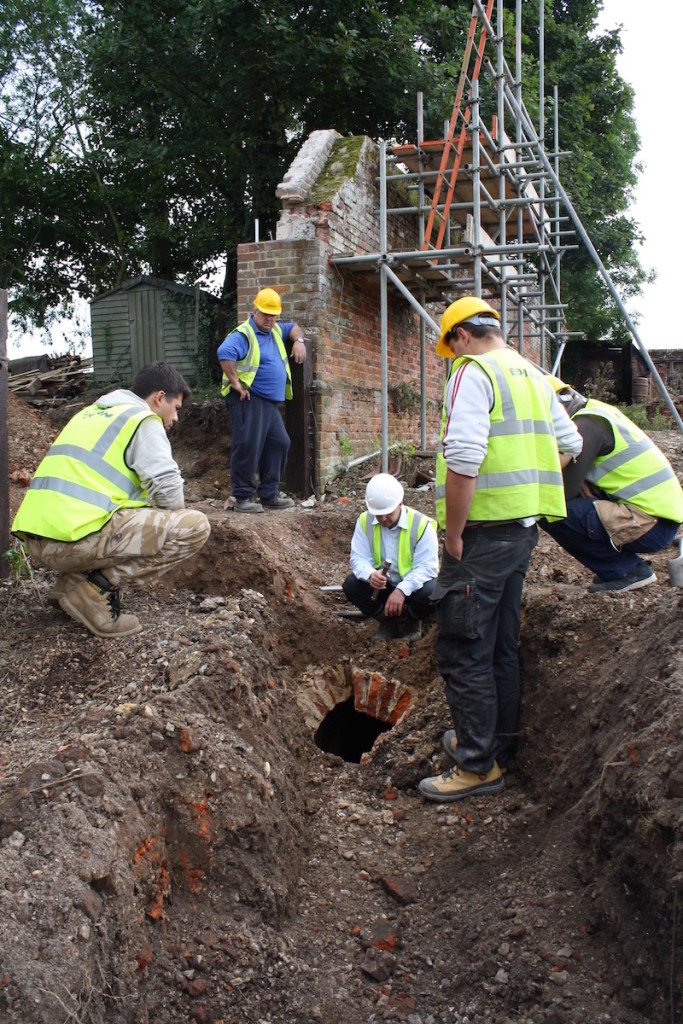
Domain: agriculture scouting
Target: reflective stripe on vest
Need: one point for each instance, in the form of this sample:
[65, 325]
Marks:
[407, 541]
[635, 471]
[246, 368]
[521, 474]
[83, 478]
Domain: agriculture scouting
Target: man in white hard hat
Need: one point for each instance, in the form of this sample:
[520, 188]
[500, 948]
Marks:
[256, 378]
[498, 472]
[402, 540]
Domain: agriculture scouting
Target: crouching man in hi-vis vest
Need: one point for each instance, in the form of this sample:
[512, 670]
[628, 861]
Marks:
[404, 541]
[498, 472]
[623, 497]
[106, 505]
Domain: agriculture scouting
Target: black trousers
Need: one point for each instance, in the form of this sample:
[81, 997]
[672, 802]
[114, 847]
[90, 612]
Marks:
[359, 592]
[478, 622]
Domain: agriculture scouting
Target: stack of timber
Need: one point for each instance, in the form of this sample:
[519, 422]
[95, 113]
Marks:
[51, 381]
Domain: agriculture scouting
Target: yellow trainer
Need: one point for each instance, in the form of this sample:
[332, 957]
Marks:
[456, 783]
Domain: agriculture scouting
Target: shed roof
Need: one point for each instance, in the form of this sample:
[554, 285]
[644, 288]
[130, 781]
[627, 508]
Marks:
[154, 282]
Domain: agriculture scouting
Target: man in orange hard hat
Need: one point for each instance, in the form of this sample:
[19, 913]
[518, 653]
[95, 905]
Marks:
[256, 378]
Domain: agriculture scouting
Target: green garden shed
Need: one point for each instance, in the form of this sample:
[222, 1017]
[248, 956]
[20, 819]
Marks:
[146, 319]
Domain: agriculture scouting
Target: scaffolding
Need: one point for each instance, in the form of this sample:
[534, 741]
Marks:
[493, 218]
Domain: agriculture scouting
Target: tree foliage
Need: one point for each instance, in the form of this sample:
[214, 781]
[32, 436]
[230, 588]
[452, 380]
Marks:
[141, 136]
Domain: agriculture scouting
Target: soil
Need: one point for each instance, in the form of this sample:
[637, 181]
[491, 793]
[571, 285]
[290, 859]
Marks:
[176, 845]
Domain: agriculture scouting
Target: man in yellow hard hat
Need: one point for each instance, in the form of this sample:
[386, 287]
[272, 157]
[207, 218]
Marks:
[498, 472]
[623, 497]
[256, 378]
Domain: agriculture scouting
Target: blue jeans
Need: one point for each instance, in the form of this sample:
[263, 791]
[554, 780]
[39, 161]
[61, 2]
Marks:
[260, 444]
[478, 619]
[586, 539]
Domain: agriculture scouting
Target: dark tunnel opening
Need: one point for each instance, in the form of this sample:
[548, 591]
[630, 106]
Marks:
[348, 733]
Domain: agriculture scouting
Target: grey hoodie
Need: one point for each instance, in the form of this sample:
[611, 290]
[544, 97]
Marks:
[149, 454]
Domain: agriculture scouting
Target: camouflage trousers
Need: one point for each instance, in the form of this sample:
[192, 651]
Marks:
[136, 546]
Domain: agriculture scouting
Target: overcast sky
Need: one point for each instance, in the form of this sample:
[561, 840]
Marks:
[651, 36]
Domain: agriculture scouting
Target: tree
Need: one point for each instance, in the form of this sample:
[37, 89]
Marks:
[146, 136]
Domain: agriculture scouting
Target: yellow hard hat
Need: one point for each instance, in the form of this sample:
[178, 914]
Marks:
[557, 384]
[468, 308]
[268, 302]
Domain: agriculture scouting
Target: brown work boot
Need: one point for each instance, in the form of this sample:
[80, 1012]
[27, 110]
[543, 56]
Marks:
[64, 582]
[96, 606]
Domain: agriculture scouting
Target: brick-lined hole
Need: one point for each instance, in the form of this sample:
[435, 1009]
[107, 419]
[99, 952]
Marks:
[350, 708]
[348, 733]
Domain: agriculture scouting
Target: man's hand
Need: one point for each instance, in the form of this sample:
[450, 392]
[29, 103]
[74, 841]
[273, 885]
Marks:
[377, 580]
[453, 544]
[242, 391]
[394, 603]
[299, 351]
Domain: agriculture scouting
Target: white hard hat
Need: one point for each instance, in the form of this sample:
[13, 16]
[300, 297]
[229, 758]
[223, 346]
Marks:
[383, 494]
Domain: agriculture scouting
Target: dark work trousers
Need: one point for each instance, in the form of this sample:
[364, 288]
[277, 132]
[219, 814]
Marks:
[260, 445]
[478, 622]
[586, 539]
[359, 592]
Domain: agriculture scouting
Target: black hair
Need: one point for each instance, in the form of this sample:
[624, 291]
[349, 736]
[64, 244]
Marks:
[476, 330]
[160, 377]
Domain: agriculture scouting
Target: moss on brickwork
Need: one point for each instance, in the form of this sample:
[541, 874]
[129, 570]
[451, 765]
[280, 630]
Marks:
[341, 165]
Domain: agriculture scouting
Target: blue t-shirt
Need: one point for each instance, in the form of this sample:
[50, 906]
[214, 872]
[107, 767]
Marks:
[271, 376]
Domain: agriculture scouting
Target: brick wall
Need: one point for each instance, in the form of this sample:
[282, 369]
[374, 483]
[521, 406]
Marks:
[338, 215]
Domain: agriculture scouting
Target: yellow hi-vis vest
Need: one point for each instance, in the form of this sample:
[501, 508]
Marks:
[417, 523]
[635, 471]
[83, 480]
[521, 474]
[246, 368]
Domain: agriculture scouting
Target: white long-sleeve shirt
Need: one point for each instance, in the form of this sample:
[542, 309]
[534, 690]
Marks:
[149, 454]
[425, 557]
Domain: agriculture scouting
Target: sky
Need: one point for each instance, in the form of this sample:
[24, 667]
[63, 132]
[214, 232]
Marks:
[649, 63]
[650, 39]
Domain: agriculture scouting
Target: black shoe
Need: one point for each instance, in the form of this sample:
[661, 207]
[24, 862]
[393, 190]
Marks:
[248, 505]
[387, 631]
[411, 630]
[277, 501]
[641, 576]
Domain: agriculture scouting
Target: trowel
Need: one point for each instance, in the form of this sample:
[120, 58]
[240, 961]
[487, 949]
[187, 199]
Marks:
[676, 566]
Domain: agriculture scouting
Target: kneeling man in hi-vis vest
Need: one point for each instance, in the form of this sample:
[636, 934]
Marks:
[106, 505]
[499, 470]
[623, 497]
[394, 562]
